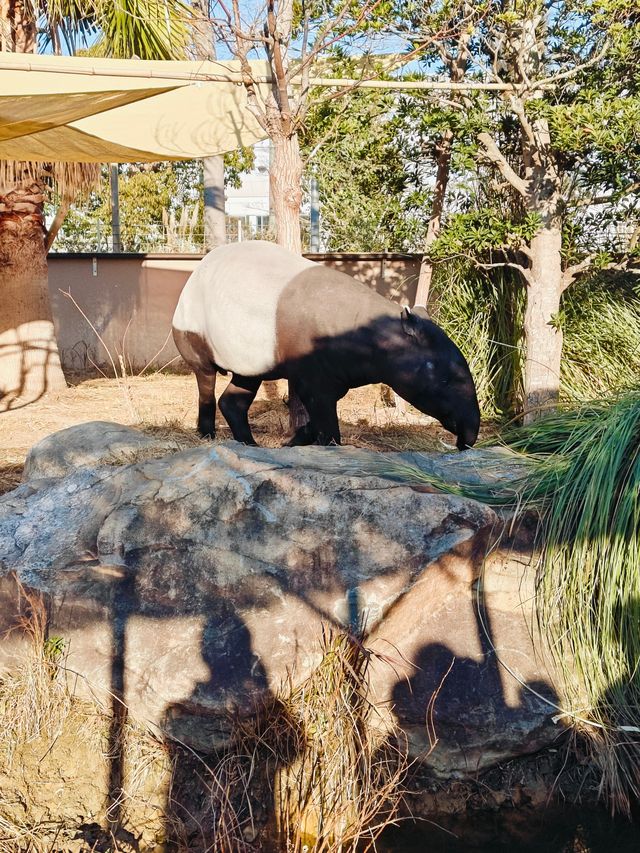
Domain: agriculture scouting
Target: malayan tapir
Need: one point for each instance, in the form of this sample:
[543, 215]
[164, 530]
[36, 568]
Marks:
[261, 312]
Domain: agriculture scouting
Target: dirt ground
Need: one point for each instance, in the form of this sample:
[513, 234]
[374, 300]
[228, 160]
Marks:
[369, 416]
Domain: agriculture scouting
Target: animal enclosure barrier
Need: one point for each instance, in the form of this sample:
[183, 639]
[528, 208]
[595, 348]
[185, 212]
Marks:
[130, 300]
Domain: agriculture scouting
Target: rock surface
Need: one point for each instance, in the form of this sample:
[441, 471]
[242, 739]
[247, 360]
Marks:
[95, 443]
[197, 583]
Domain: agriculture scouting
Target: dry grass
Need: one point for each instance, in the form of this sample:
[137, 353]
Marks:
[345, 784]
[315, 757]
[166, 407]
[10, 476]
[55, 754]
[34, 699]
[335, 780]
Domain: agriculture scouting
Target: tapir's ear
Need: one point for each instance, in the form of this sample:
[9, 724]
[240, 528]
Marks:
[410, 323]
[415, 322]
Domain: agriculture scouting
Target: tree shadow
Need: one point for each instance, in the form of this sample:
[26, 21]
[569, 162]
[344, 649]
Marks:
[23, 352]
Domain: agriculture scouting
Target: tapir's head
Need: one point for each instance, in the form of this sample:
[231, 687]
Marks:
[434, 376]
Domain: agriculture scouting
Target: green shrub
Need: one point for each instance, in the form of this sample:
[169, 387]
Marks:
[483, 312]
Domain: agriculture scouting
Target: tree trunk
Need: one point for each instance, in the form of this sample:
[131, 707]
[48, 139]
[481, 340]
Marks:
[18, 29]
[29, 359]
[542, 333]
[285, 184]
[457, 70]
[215, 232]
[443, 159]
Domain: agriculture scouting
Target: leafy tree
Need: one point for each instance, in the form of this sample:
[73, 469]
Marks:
[560, 135]
[371, 198]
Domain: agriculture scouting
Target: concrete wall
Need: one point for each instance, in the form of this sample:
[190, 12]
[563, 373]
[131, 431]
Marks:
[130, 300]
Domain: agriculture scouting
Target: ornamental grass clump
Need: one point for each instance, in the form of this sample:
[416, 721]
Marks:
[322, 754]
[586, 487]
[579, 471]
[344, 786]
[483, 312]
[601, 350]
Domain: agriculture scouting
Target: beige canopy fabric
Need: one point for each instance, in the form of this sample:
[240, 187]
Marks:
[79, 109]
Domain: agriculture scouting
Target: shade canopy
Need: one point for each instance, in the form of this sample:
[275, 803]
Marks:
[79, 109]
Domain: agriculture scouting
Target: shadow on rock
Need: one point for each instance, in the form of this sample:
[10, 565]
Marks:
[223, 790]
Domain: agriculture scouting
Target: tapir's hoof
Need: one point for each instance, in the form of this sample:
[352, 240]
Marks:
[302, 437]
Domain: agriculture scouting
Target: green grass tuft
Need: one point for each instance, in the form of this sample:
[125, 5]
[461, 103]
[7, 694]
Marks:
[483, 313]
[580, 471]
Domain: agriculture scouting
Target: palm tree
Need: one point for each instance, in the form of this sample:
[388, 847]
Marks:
[149, 29]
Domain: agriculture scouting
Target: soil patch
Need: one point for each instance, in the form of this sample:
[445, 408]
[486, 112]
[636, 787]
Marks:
[167, 403]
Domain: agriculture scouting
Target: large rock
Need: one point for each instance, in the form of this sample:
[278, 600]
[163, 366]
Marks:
[95, 443]
[198, 583]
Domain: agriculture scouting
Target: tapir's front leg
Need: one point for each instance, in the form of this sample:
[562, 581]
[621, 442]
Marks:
[303, 436]
[325, 419]
[234, 405]
[321, 404]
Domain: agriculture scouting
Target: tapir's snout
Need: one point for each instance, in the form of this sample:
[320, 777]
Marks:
[464, 442]
[467, 431]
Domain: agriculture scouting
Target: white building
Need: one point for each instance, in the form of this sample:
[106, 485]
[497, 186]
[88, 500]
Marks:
[247, 208]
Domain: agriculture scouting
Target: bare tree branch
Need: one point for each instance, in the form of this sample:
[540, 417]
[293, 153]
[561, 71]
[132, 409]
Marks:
[517, 106]
[552, 79]
[279, 67]
[56, 225]
[524, 272]
[572, 272]
[495, 156]
[614, 196]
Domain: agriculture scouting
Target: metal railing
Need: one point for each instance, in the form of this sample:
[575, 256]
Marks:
[154, 238]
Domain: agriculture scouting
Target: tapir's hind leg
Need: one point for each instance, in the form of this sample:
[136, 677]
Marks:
[320, 403]
[303, 436]
[206, 403]
[234, 405]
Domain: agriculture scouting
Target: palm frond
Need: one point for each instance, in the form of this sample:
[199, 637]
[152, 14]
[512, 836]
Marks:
[68, 180]
[146, 29]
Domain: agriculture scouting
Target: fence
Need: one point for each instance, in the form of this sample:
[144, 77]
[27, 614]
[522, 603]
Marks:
[171, 237]
[183, 235]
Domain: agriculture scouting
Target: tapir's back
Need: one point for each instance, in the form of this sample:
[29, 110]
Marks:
[255, 306]
[231, 300]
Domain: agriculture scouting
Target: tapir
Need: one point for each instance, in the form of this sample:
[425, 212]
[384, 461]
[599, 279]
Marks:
[258, 311]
